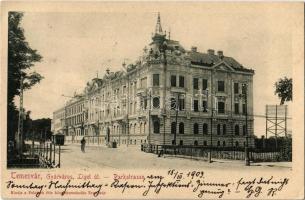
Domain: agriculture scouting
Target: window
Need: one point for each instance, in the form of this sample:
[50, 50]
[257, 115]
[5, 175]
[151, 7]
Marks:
[143, 83]
[181, 104]
[181, 128]
[173, 104]
[204, 84]
[156, 126]
[196, 128]
[221, 107]
[205, 129]
[204, 106]
[236, 144]
[244, 109]
[236, 129]
[236, 88]
[244, 130]
[195, 105]
[156, 102]
[224, 143]
[195, 84]
[195, 143]
[204, 143]
[173, 128]
[173, 142]
[244, 89]
[181, 142]
[145, 103]
[181, 81]
[173, 81]
[218, 143]
[236, 108]
[224, 129]
[218, 129]
[221, 86]
[156, 80]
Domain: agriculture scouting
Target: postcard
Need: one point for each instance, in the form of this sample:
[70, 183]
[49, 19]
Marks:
[152, 100]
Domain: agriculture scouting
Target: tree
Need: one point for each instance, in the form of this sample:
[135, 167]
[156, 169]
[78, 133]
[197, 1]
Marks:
[21, 58]
[283, 89]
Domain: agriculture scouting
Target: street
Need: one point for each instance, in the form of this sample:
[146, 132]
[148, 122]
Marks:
[131, 158]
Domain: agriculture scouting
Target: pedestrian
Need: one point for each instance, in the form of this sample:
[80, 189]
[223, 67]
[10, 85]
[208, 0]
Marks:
[83, 144]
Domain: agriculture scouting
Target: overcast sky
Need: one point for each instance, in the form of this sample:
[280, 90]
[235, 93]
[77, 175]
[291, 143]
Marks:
[77, 45]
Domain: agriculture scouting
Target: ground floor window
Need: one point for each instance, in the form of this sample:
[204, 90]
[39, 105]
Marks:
[181, 128]
[205, 129]
[156, 126]
[236, 130]
[196, 143]
[181, 142]
[173, 128]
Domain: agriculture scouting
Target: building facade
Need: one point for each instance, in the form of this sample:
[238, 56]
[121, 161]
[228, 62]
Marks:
[169, 96]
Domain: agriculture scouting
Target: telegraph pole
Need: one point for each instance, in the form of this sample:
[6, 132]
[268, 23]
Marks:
[177, 127]
[247, 159]
[212, 118]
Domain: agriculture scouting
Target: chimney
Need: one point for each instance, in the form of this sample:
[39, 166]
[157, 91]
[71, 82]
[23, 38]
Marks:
[211, 51]
[220, 54]
[194, 49]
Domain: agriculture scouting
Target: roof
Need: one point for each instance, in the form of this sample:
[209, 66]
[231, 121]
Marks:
[209, 60]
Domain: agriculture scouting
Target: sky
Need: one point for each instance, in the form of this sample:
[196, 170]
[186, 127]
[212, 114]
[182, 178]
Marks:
[78, 46]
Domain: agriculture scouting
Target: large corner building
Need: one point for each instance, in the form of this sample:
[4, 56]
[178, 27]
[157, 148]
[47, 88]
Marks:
[169, 96]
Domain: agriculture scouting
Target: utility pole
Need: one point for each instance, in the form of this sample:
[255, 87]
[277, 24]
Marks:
[177, 127]
[247, 159]
[149, 112]
[212, 118]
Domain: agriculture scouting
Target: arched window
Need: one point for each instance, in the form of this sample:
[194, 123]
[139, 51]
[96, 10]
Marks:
[236, 144]
[141, 129]
[181, 128]
[195, 143]
[196, 128]
[156, 102]
[173, 128]
[144, 128]
[218, 129]
[236, 129]
[218, 143]
[205, 129]
[156, 126]
[134, 128]
[244, 130]
[224, 129]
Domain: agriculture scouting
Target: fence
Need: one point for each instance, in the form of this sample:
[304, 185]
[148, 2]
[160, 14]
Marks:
[232, 153]
[38, 155]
